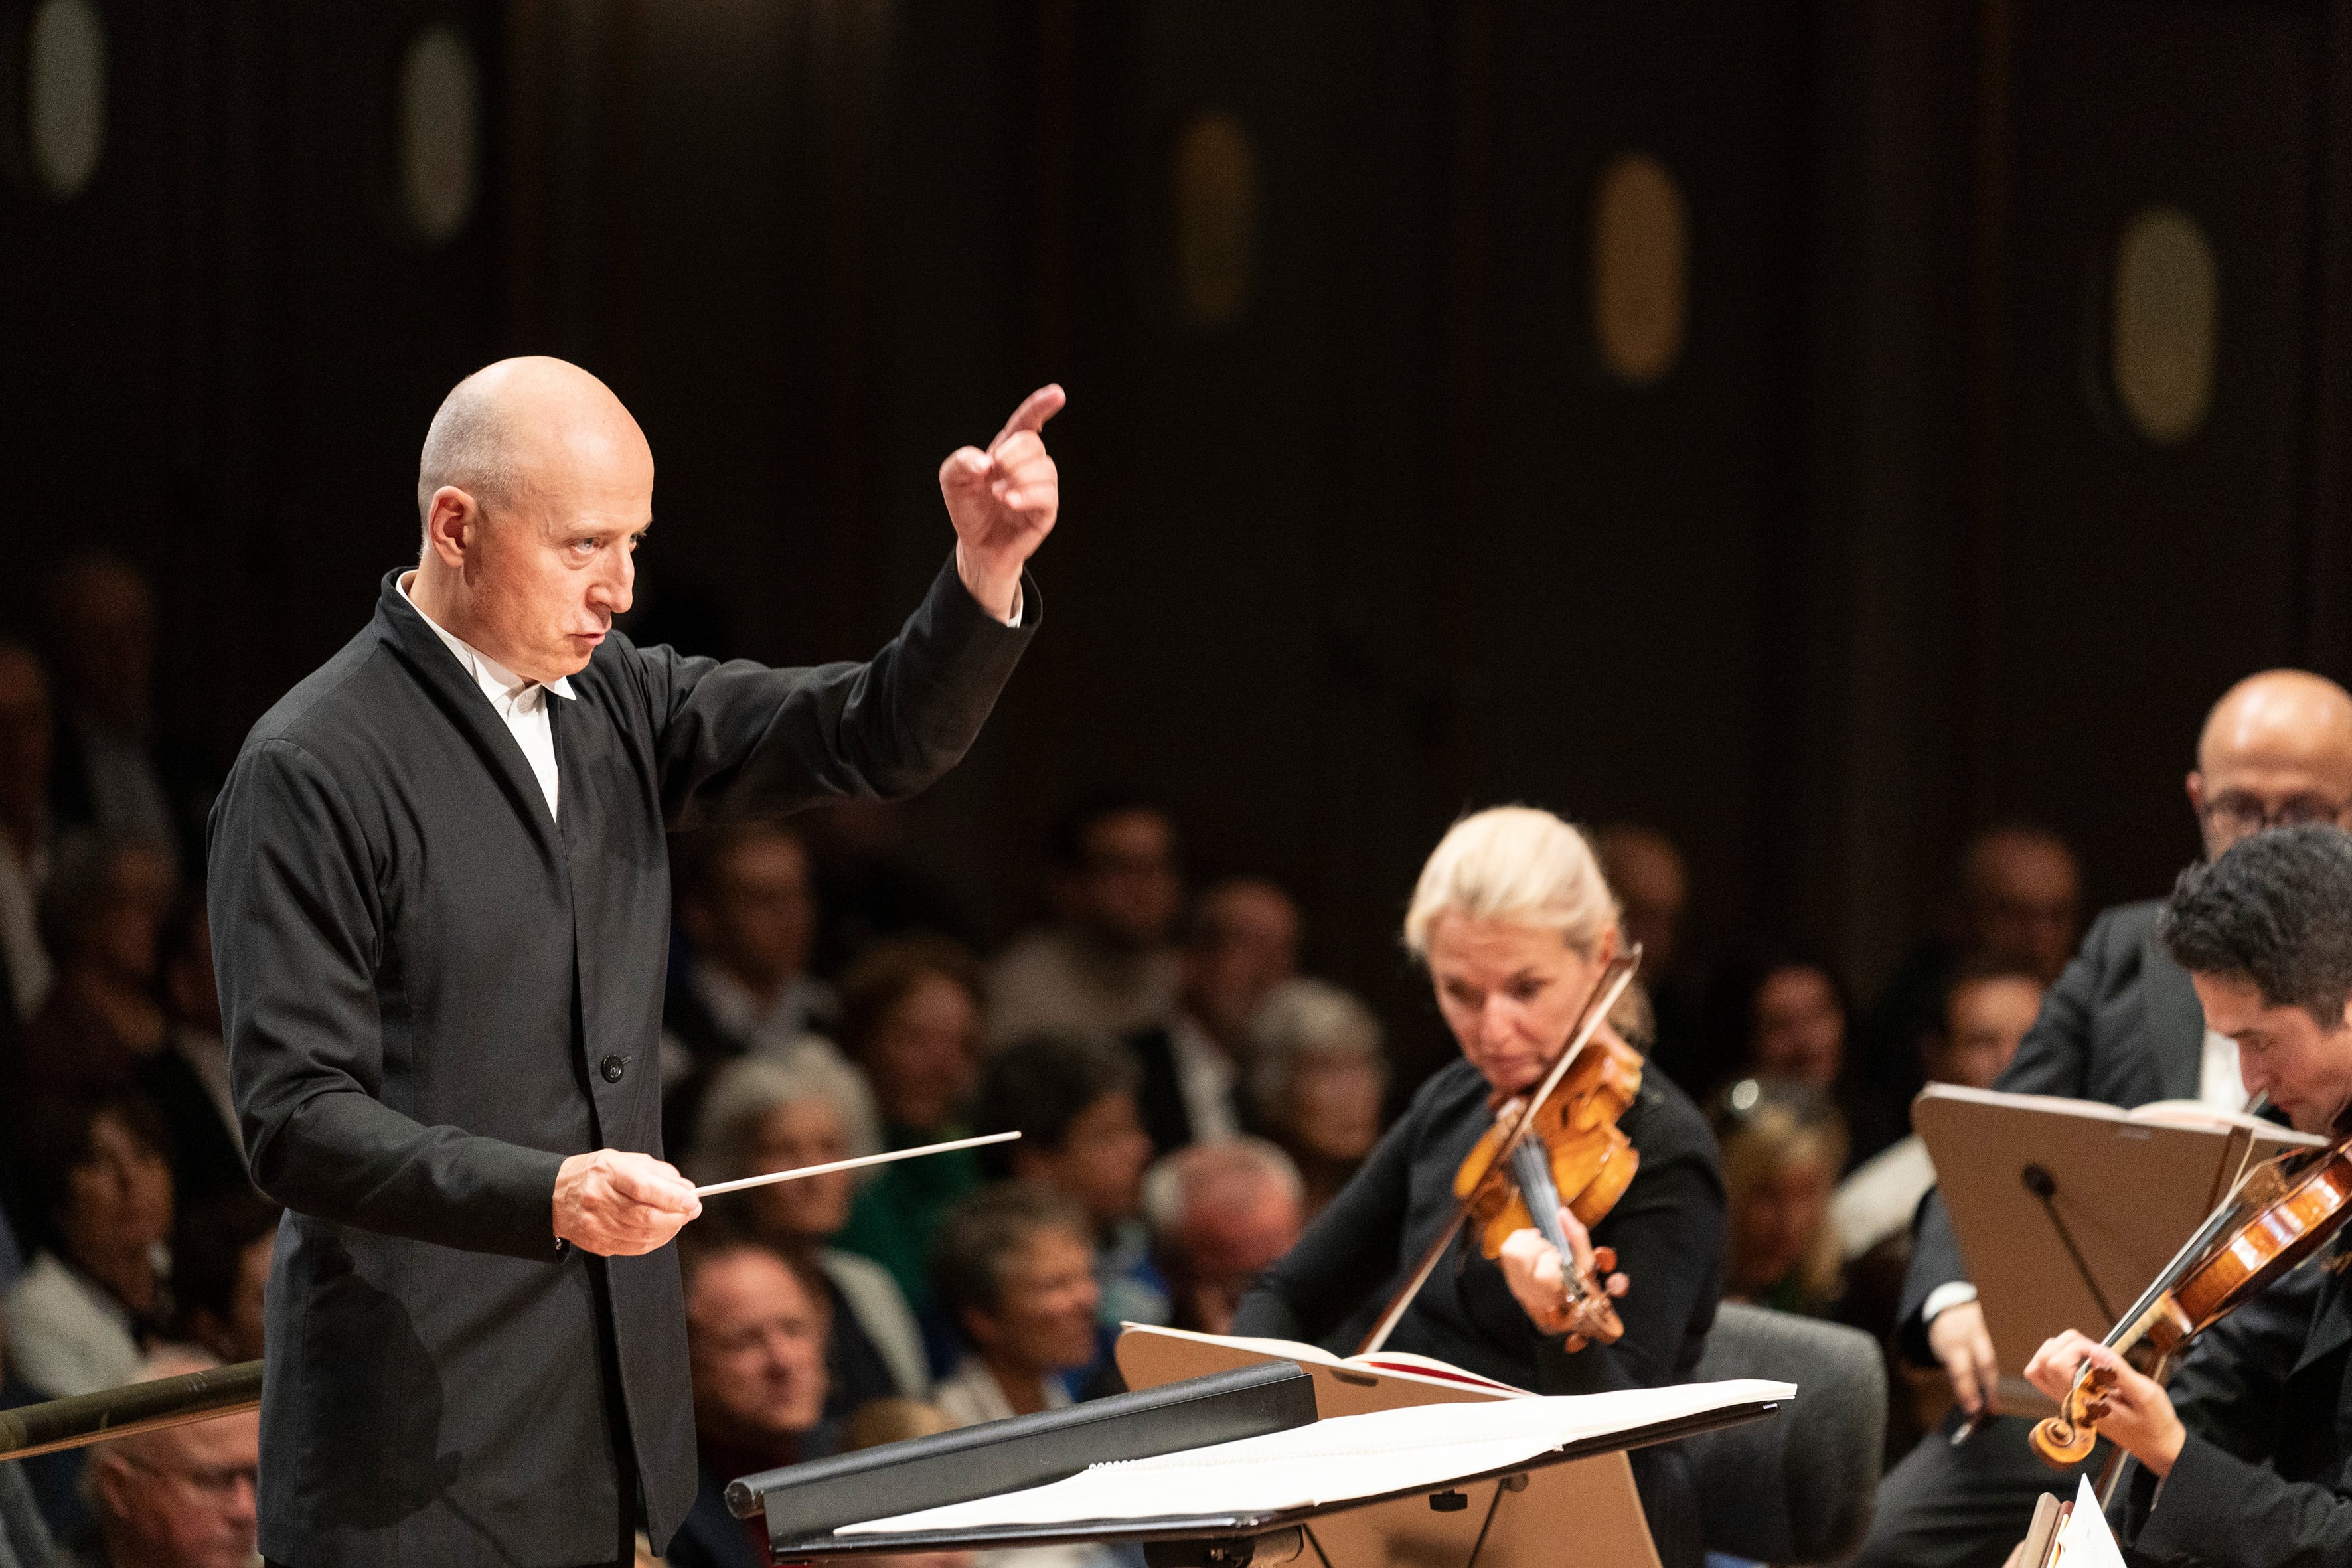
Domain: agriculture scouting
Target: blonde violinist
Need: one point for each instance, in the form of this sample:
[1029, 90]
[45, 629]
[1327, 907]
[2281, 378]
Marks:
[2242, 1461]
[1516, 927]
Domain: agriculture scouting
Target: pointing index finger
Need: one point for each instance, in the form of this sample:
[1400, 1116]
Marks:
[1035, 409]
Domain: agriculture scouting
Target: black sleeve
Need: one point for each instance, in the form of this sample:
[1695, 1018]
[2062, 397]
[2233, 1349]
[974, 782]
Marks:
[2223, 1503]
[2055, 1058]
[291, 873]
[1346, 1254]
[1668, 1233]
[774, 739]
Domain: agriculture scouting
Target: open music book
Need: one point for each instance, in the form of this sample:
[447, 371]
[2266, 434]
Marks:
[1379, 1454]
[1404, 1365]
[2065, 1209]
[1594, 1495]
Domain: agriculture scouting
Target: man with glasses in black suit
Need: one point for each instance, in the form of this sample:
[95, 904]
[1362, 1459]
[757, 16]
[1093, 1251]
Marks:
[2123, 1026]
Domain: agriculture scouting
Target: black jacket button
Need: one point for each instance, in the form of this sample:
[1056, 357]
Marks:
[613, 1068]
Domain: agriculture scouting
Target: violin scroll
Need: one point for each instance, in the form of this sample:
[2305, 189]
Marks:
[2067, 1438]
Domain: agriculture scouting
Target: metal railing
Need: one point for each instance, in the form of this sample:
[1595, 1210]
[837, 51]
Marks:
[31, 1429]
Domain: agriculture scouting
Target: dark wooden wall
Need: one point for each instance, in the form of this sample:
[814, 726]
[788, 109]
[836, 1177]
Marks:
[1874, 561]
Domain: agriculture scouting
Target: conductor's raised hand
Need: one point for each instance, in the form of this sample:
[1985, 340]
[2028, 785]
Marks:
[1003, 501]
[619, 1204]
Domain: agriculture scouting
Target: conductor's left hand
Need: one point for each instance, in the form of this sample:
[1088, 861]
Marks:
[1003, 501]
[619, 1204]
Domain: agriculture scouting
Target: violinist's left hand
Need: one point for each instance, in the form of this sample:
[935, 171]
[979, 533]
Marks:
[1531, 1267]
[2140, 1417]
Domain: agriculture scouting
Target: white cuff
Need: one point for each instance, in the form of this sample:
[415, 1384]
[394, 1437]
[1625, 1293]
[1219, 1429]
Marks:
[1943, 1298]
[1013, 620]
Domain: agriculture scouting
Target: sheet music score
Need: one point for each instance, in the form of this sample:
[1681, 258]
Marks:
[1337, 1459]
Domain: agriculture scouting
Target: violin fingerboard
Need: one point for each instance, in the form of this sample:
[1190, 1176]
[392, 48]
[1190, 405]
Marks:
[1531, 1168]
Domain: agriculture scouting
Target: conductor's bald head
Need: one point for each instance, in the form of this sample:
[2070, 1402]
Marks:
[533, 487]
[2276, 749]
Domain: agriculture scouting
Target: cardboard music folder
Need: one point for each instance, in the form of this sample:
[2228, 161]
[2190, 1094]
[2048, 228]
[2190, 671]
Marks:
[2120, 1191]
[1590, 1502]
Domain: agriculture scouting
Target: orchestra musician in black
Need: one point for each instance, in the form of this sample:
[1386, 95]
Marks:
[1516, 926]
[2245, 1459]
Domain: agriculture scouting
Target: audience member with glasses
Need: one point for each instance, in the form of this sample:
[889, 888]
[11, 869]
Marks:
[2121, 1025]
[182, 1497]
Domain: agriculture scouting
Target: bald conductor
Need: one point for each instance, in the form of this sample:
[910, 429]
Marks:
[440, 900]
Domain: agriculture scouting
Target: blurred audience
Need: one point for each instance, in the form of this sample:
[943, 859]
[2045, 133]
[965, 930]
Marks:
[98, 1292]
[1646, 872]
[870, 887]
[1318, 1080]
[745, 905]
[100, 917]
[1104, 969]
[765, 1116]
[180, 1497]
[220, 1267]
[2016, 900]
[1988, 1006]
[26, 737]
[1796, 1026]
[1073, 1102]
[1783, 1145]
[113, 770]
[910, 1012]
[50, 1483]
[188, 1079]
[755, 1333]
[1015, 1271]
[1219, 1213]
[1240, 942]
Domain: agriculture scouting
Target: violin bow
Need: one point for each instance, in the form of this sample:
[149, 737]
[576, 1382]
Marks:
[859, 1163]
[1610, 987]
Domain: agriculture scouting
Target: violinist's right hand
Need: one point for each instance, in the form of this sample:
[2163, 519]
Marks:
[1962, 1345]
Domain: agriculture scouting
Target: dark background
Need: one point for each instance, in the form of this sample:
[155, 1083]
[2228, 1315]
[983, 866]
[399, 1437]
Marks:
[1876, 562]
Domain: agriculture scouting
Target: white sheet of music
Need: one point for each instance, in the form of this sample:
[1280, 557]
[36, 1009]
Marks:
[2084, 1541]
[1332, 1462]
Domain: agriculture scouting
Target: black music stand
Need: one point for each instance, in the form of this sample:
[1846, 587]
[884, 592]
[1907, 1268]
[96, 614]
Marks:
[1204, 1537]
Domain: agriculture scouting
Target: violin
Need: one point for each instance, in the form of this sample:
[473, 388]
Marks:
[1557, 1147]
[2277, 1215]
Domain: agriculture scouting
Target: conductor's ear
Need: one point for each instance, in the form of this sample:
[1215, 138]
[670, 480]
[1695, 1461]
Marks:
[453, 520]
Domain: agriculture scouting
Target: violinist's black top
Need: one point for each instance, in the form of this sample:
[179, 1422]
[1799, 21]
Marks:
[1667, 1230]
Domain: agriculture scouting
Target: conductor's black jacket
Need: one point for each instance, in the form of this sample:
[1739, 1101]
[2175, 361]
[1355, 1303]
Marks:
[434, 993]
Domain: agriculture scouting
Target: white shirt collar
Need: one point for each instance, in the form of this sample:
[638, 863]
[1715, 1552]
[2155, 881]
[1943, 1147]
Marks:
[503, 687]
